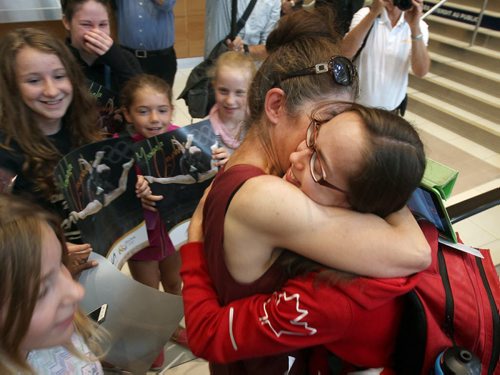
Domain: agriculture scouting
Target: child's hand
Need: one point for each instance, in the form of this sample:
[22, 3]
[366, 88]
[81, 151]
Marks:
[236, 44]
[97, 42]
[220, 155]
[143, 191]
[78, 255]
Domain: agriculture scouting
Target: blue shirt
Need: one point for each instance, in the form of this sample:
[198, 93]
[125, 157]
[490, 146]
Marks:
[145, 25]
[260, 23]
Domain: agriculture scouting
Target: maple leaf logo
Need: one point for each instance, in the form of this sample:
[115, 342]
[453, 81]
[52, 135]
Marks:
[287, 304]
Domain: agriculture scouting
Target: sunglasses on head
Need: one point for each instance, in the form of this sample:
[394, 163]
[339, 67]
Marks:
[342, 69]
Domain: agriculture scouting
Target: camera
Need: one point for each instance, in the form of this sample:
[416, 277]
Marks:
[403, 4]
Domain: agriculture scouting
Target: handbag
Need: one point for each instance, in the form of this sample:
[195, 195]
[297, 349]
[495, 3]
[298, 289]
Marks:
[198, 94]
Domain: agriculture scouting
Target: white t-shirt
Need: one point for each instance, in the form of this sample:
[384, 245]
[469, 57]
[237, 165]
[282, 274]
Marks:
[384, 62]
[58, 360]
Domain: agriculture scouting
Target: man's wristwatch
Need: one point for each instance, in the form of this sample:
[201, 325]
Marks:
[246, 49]
[418, 37]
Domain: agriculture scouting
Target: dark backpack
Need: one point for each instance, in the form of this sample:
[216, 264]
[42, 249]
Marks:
[198, 93]
[456, 303]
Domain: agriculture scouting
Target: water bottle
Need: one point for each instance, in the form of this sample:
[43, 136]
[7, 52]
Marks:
[457, 361]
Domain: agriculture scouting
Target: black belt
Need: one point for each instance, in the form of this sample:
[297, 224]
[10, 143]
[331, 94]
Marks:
[143, 54]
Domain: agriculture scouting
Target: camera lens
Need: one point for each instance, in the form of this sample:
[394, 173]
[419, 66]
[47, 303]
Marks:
[403, 4]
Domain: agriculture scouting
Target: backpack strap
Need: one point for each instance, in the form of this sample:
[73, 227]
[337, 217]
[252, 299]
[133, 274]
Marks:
[449, 309]
[495, 352]
[243, 19]
[358, 52]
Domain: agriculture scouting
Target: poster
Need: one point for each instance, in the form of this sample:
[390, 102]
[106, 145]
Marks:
[98, 182]
[178, 166]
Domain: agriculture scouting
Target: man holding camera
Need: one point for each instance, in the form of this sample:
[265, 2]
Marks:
[385, 40]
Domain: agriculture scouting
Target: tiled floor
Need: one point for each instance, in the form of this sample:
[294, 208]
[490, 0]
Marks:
[479, 170]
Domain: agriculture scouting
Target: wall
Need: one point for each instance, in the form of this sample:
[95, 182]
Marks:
[189, 27]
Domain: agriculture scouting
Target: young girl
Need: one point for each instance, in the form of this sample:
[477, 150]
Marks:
[103, 62]
[47, 113]
[147, 106]
[41, 326]
[233, 74]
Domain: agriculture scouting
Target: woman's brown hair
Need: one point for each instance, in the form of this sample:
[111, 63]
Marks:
[138, 82]
[18, 122]
[393, 166]
[300, 40]
[70, 7]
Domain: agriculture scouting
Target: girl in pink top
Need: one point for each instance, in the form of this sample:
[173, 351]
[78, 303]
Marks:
[233, 74]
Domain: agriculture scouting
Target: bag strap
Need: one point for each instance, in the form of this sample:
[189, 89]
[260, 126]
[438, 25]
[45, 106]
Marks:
[241, 22]
[234, 14]
[495, 352]
[449, 309]
[358, 52]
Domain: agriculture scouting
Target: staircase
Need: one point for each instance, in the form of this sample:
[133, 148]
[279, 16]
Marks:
[461, 92]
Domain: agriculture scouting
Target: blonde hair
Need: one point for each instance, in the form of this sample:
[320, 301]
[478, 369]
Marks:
[234, 60]
[20, 267]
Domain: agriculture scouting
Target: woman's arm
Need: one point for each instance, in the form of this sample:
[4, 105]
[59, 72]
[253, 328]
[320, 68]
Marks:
[268, 213]
[259, 325]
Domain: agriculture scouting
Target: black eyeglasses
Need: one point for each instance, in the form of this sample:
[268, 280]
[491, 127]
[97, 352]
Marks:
[315, 164]
[343, 71]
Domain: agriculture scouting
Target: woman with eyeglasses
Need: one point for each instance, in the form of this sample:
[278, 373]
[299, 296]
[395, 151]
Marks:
[250, 215]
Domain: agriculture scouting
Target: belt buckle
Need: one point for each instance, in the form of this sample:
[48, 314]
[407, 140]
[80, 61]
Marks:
[141, 53]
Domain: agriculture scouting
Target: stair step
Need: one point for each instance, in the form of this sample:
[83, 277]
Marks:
[445, 135]
[467, 6]
[476, 56]
[456, 119]
[484, 73]
[464, 32]
[486, 52]
[474, 120]
[470, 99]
[466, 74]
[462, 25]
[479, 95]
[492, 6]
[476, 8]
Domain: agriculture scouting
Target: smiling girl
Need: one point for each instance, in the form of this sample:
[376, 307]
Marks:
[233, 74]
[46, 113]
[40, 323]
[147, 106]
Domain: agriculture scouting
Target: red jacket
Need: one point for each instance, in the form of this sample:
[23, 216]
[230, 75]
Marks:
[357, 321]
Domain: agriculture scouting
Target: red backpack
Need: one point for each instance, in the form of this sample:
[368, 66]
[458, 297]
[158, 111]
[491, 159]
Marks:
[456, 303]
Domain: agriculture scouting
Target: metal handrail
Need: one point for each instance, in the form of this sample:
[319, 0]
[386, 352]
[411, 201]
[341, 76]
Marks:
[478, 23]
[430, 11]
